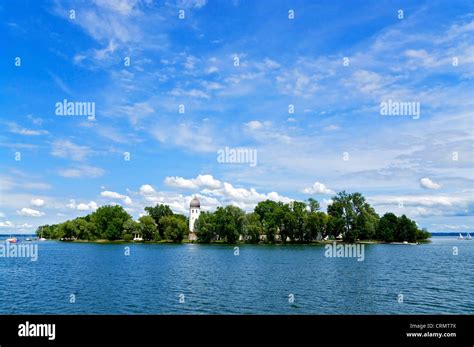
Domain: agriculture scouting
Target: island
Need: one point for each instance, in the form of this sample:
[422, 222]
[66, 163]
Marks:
[349, 218]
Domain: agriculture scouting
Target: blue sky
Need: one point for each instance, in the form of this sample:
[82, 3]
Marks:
[336, 139]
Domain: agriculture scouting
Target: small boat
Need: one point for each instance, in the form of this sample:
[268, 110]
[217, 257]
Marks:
[42, 239]
[12, 240]
[28, 239]
[468, 237]
[460, 237]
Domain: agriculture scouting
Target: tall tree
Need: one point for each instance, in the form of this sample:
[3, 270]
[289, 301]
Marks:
[387, 227]
[253, 227]
[175, 228]
[269, 213]
[229, 222]
[130, 227]
[157, 212]
[406, 230]
[109, 221]
[148, 228]
[205, 227]
[313, 205]
[353, 216]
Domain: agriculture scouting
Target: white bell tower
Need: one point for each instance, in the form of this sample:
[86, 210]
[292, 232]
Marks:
[194, 212]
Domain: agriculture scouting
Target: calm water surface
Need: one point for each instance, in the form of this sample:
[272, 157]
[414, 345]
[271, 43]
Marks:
[213, 280]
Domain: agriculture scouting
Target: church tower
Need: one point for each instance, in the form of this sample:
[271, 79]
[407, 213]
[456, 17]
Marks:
[194, 212]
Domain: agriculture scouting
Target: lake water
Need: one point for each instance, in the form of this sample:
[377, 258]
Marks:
[192, 278]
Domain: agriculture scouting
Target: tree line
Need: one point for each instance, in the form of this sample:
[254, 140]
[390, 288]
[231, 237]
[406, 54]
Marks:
[349, 217]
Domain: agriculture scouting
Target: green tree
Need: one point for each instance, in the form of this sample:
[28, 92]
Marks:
[229, 223]
[252, 227]
[313, 205]
[406, 230]
[67, 230]
[48, 231]
[269, 213]
[148, 228]
[158, 212]
[387, 227]
[84, 229]
[130, 227]
[205, 227]
[175, 228]
[109, 221]
[352, 216]
[315, 224]
[367, 222]
[343, 215]
[422, 234]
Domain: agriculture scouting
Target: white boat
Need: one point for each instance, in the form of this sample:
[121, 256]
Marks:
[460, 237]
[42, 239]
[468, 237]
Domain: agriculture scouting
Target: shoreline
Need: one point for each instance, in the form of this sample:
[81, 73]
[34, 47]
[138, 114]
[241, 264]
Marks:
[363, 242]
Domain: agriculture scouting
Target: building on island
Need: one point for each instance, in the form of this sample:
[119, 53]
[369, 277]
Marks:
[194, 212]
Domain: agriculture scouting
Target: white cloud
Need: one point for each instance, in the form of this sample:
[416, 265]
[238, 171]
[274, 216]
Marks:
[192, 3]
[16, 129]
[212, 69]
[82, 171]
[318, 188]
[124, 7]
[90, 206]
[201, 181]
[113, 195]
[28, 212]
[271, 64]
[137, 111]
[254, 125]
[8, 224]
[454, 204]
[146, 189]
[194, 137]
[429, 184]
[193, 93]
[101, 54]
[190, 62]
[37, 202]
[68, 150]
[213, 193]
[242, 197]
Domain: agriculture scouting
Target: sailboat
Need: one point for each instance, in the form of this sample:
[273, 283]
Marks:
[468, 237]
[41, 237]
[460, 237]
